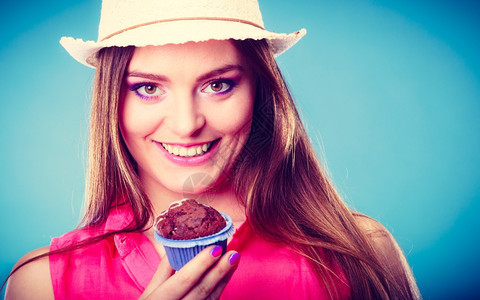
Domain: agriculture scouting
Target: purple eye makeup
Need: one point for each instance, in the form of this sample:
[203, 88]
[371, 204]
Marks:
[145, 90]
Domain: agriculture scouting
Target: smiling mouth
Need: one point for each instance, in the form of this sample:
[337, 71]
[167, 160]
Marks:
[192, 151]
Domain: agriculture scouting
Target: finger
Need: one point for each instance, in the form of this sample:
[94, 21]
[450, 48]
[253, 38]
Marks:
[218, 290]
[214, 281]
[164, 271]
[184, 279]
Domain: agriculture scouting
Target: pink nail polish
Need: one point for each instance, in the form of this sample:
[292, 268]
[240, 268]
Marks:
[234, 258]
[216, 251]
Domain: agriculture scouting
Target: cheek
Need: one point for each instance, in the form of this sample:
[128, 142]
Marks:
[234, 117]
[235, 120]
[136, 120]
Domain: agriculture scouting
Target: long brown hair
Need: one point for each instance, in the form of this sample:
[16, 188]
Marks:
[112, 175]
[288, 197]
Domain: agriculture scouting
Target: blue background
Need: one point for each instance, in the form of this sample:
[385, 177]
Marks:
[389, 91]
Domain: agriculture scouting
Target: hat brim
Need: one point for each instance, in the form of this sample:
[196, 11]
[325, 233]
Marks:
[179, 32]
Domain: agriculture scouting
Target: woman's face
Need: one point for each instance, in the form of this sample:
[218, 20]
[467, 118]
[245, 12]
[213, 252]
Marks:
[186, 113]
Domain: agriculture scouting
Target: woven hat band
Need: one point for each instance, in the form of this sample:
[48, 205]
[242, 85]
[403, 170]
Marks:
[183, 19]
[118, 15]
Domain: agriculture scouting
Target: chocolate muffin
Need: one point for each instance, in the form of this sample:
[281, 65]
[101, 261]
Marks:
[188, 219]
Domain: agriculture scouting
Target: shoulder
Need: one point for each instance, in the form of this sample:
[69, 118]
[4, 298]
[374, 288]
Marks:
[384, 244]
[370, 226]
[380, 238]
[32, 280]
[388, 251]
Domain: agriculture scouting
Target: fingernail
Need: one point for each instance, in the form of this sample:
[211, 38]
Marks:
[216, 251]
[234, 258]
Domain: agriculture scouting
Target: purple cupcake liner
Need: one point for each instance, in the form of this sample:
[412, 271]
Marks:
[180, 252]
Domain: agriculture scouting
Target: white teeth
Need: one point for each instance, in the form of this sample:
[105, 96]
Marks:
[191, 151]
[187, 151]
[183, 152]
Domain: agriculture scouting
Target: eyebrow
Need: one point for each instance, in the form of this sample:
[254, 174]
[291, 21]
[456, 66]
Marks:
[213, 73]
[220, 71]
[150, 76]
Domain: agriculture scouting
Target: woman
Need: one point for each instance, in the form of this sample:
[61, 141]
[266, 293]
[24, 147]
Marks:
[191, 92]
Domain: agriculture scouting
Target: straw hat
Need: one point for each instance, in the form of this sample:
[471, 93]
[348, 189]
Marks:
[159, 22]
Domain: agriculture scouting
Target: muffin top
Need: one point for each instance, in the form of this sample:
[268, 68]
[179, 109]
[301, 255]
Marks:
[187, 219]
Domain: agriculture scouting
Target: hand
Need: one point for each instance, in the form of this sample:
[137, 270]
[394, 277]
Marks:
[204, 277]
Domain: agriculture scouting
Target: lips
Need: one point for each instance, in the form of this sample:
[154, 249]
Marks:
[190, 151]
[189, 155]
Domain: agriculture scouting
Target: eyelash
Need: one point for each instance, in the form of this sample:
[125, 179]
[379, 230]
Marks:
[231, 84]
[136, 87]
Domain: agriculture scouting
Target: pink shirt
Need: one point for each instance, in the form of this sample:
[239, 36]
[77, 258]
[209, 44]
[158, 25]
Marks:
[121, 266]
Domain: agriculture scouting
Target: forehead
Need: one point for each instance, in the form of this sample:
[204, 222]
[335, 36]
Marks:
[202, 56]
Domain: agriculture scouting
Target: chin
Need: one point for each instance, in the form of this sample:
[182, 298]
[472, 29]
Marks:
[194, 185]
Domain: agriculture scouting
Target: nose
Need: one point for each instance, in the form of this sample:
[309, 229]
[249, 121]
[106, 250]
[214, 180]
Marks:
[185, 119]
